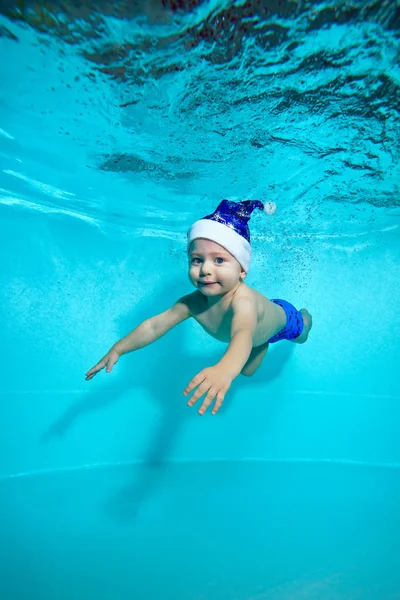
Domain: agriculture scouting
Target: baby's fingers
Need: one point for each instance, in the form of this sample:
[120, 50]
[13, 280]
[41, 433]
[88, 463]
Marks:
[218, 403]
[194, 383]
[110, 362]
[207, 401]
[92, 372]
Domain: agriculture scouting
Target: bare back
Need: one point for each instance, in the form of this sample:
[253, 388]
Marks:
[217, 320]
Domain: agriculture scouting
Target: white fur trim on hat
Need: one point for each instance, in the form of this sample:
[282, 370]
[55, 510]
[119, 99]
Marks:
[223, 235]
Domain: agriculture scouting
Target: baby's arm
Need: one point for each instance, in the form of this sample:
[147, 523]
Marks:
[215, 381]
[244, 323]
[144, 334]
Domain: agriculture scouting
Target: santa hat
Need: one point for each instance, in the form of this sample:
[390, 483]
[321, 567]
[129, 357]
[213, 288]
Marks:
[228, 227]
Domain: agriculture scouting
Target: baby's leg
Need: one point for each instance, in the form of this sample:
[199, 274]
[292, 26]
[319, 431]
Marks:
[307, 318]
[254, 360]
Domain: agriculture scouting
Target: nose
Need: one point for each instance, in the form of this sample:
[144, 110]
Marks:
[205, 268]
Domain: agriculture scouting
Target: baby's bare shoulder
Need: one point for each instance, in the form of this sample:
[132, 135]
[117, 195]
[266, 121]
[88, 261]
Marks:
[259, 301]
[245, 301]
[245, 292]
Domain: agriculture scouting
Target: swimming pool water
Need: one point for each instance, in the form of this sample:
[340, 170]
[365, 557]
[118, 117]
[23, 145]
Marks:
[119, 126]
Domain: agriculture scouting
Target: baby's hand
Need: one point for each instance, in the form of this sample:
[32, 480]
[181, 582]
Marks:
[213, 380]
[108, 361]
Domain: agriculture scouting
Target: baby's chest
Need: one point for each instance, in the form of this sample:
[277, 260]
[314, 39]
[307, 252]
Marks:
[219, 327]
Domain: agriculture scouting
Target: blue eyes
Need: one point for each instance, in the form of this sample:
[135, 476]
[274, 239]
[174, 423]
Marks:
[219, 261]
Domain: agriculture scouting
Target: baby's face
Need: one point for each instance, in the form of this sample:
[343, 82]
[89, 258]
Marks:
[212, 269]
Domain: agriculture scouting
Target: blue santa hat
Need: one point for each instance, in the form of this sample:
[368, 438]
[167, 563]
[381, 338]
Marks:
[228, 227]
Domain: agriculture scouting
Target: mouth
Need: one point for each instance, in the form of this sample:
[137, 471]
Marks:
[207, 282]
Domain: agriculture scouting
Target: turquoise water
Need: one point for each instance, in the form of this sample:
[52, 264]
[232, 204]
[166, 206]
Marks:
[119, 126]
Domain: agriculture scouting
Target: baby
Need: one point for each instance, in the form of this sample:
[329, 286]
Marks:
[219, 255]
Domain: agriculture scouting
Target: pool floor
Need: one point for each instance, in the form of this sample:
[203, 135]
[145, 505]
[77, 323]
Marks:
[191, 531]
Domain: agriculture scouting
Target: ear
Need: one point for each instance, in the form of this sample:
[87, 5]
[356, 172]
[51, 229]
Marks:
[242, 274]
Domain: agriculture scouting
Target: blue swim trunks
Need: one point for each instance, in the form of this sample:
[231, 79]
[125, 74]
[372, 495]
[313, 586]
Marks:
[294, 323]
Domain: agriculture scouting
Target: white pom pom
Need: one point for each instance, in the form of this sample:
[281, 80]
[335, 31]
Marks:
[270, 208]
